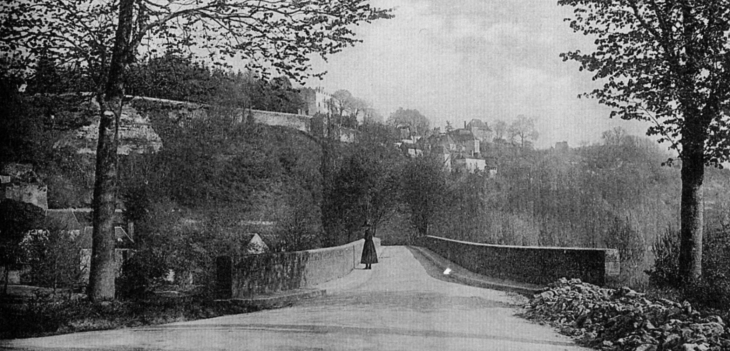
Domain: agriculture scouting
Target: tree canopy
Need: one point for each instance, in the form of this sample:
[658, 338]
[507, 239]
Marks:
[665, 62]
[423, 189]
[418, 123]
[279, 35]
[105, 37]
[181, 77]
[523, 130]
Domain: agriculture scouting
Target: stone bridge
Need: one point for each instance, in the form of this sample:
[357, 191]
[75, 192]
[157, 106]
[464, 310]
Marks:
[413, 299]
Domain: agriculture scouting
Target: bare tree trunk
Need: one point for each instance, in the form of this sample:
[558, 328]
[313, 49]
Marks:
[693, 174]
[101, 276]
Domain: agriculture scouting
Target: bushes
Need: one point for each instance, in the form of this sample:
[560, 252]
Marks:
[38, 316]
[622, 236]
[47, 315]
[424, 189]
[713, 288]
[54, 258]
[298, 226]
[361, 184]
[666, 261]
[173, 239]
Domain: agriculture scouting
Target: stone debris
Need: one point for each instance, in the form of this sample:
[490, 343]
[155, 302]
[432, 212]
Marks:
[626, 320]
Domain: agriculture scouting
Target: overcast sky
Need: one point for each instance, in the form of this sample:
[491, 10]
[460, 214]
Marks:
[485, 59]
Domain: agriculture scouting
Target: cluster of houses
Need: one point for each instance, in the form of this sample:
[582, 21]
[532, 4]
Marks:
[18, 182]
[462, 149]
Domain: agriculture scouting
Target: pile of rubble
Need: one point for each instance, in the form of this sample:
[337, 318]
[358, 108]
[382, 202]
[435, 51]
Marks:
[623, 319]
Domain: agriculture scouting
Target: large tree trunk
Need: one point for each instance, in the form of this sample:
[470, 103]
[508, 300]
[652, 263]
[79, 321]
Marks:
[693, 175]
[102, 274]
[101, 277]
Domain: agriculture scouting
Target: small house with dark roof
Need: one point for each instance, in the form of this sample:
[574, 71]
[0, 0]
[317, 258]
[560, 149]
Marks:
[480, 130]
[123, 239]
[469, 164]
[466, 144]
[256, 245]
[411, 149]
[122, 252]
[443, 155]
[64, 220]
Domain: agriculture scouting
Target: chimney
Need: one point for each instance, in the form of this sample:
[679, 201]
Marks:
[464, 124]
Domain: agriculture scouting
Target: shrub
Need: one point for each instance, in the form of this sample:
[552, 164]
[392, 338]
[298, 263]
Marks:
[155, 234]
[298, 228]
[423, 191]
[38, 316]
[666, 263]
[622, 236]
[169, 240]
[54, 258]
[713, 287]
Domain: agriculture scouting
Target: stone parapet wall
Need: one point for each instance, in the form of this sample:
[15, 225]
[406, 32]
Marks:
[178, 110]
[136, 131]
[290, 120]
[530, 264]
[249, 275]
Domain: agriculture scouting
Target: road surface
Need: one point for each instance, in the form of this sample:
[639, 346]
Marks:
[401, 304]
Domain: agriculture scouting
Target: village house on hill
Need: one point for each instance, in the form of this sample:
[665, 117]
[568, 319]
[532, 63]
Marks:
[460, 149]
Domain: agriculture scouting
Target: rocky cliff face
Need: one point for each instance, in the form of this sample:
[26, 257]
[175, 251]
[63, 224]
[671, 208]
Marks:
[136, 134]
[19, 182]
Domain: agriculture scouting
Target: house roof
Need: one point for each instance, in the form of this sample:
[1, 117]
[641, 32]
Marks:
[63, 219]
[411, 146]
[85, 238]
[256, 245]
[463, 137]
[477, 123]
[443, 139]
[440, 149]
[464, 157]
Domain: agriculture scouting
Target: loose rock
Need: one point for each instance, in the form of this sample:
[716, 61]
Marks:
[623, 319]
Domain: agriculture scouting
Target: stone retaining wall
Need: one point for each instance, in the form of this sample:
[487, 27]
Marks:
[530, 264]
[248, 275]
[183, 109]
[290, 120]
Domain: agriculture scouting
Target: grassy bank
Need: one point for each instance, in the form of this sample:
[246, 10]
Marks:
[45, 315]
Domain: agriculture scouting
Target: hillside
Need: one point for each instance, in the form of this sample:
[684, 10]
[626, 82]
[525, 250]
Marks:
[202, 160]
[618, 196]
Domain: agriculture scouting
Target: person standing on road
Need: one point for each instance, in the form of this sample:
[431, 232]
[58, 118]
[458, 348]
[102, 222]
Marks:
[369, 255]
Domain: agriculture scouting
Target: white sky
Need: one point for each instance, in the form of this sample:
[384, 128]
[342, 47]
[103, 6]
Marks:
[487, 59]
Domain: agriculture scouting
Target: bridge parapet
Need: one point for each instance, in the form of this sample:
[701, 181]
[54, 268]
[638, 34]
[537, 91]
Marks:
[530, 264]
[245, 276]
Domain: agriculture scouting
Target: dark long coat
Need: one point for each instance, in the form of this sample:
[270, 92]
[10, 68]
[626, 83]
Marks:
[369, 255]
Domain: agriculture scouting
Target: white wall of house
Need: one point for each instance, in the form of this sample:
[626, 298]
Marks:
[471, 165]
